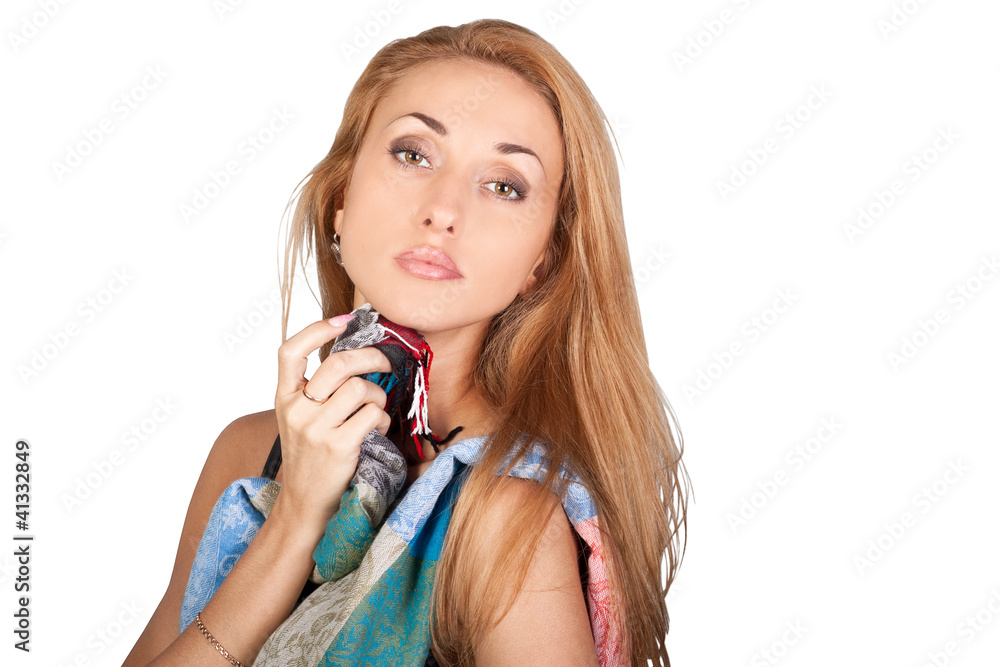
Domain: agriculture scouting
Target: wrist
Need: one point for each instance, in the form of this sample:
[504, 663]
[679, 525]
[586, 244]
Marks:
[295, 526]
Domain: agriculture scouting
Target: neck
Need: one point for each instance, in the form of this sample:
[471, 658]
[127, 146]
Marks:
[452, 400]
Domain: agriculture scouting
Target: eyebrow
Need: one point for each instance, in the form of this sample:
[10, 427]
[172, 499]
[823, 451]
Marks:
[502, 147]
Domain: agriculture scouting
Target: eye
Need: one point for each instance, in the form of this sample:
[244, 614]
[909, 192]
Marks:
[408, 156]
[504, 189]
[411, 156]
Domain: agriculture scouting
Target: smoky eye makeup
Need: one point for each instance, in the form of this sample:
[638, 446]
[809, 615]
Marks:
[411, 146]
[407, 144]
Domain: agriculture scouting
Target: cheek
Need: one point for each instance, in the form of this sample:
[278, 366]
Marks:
[505, 262]
[367, 206]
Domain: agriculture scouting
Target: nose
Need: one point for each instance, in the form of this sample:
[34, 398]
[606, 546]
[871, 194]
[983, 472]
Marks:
[443, 206]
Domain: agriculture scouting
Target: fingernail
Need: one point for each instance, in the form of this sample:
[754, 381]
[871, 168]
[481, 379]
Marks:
[341, 319]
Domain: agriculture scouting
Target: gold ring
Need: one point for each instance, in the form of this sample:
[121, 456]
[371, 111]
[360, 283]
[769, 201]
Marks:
[315, 400]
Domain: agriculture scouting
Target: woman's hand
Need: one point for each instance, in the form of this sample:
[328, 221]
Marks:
[320, 443]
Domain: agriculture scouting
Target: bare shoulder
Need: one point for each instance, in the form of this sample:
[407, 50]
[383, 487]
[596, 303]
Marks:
[240, 451]
[495, 517]
[548, 622]
[513, 493]
[244, 444]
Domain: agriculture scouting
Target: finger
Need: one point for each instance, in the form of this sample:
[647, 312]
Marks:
[384, 425]
[339, 366]
[369, 417]
[361, 423]
[293, 354]
[353, 395]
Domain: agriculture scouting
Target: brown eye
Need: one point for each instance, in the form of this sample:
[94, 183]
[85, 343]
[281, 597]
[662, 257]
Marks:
[408, 156]
[503, 189]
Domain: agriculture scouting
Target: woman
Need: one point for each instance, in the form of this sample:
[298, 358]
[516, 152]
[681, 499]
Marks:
[471, 195]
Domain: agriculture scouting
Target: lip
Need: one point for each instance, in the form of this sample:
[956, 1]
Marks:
[427, 262]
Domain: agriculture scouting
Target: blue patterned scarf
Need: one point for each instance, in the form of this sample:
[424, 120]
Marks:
[376, 563]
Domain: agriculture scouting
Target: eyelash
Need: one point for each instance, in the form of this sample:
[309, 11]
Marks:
[399, 147]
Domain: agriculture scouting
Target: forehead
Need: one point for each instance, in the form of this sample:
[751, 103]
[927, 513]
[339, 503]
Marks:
[475, 101]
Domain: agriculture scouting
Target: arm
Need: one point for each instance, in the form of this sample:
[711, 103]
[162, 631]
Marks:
[548, 622]
[276, 564]
[321, 442]
[253, 600]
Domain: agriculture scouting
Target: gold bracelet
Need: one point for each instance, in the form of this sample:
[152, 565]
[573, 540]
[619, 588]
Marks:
[215, 642]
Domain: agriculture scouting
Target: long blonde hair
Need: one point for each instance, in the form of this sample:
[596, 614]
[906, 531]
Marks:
[565, 363]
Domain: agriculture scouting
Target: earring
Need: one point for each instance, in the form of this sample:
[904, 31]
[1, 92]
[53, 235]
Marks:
[335, 247]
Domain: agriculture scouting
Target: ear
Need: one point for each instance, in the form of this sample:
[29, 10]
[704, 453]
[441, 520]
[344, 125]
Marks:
[338, 215]
[536, 271]
[338, 220]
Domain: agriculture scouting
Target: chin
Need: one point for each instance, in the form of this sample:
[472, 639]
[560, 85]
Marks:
[396, 308]
[429, 311]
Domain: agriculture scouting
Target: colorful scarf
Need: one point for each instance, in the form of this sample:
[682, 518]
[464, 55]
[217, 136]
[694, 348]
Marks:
[376, 572]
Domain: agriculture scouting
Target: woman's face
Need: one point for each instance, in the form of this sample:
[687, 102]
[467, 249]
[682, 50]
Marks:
[465, 159]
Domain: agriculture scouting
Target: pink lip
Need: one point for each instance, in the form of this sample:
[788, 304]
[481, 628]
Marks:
[428, 263]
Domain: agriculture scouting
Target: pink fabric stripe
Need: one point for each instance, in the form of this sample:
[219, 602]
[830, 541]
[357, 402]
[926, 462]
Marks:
[607, 635]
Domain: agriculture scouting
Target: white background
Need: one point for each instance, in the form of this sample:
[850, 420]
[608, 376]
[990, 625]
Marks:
[683, 128]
